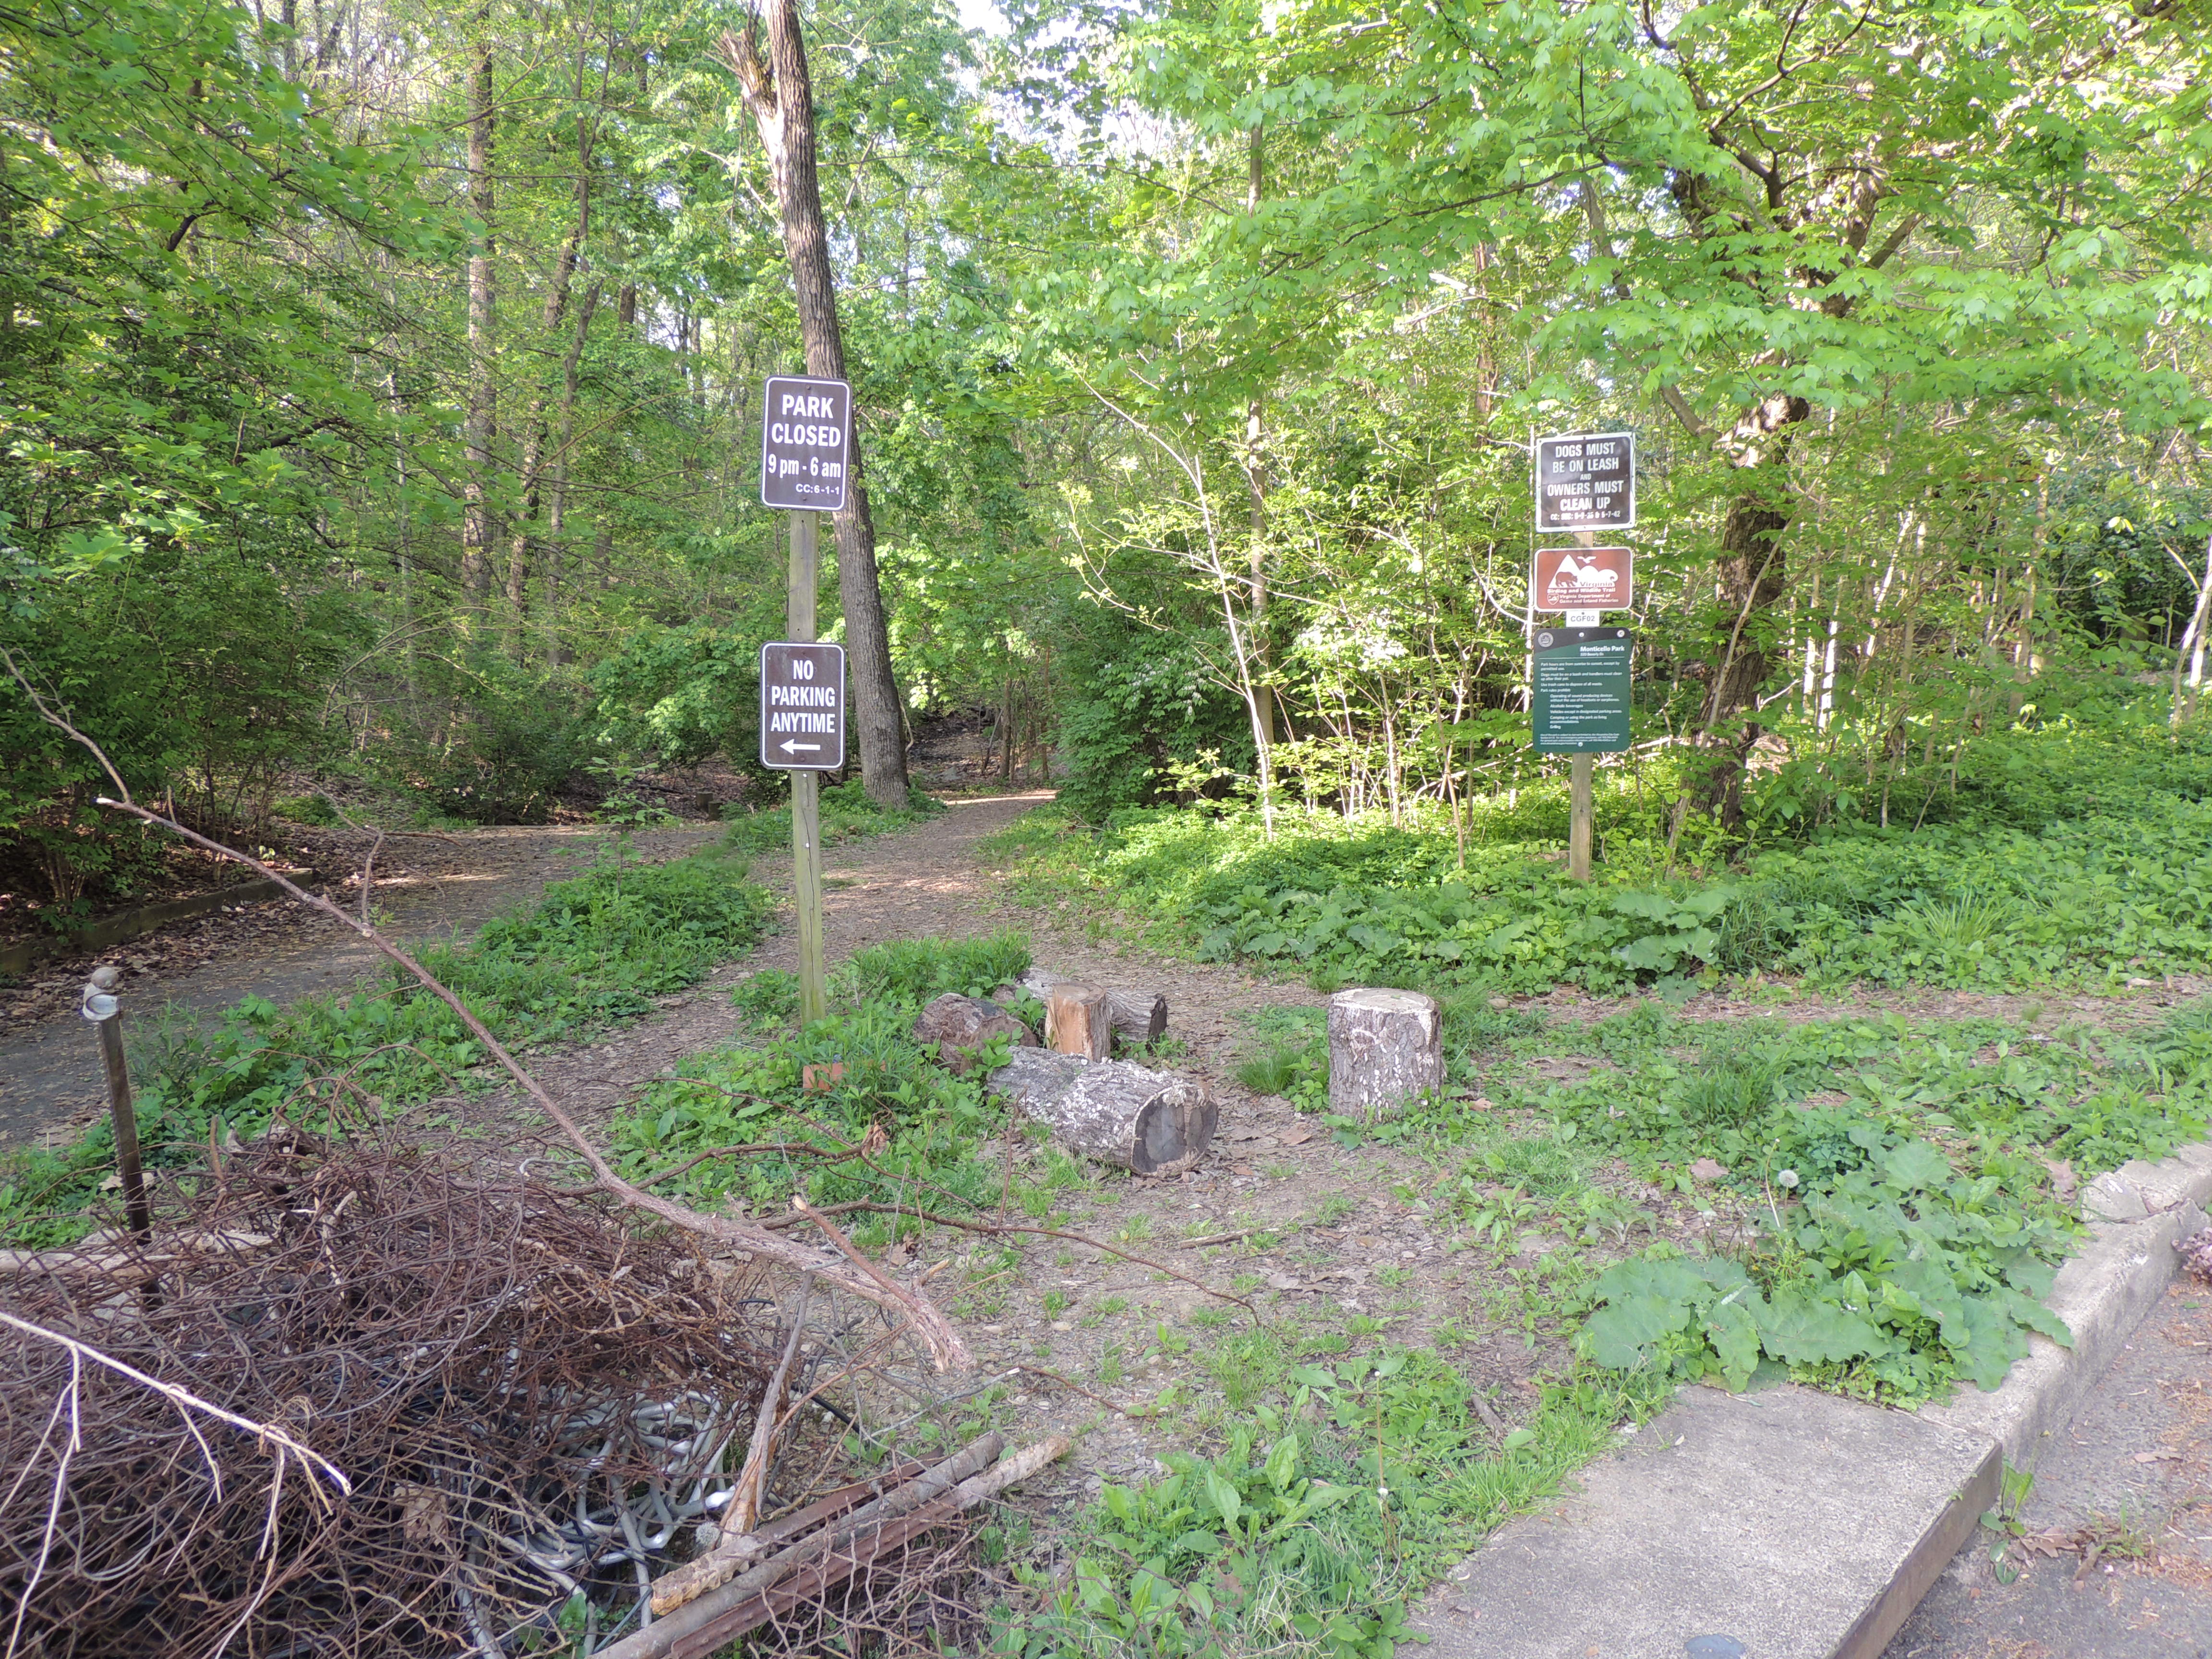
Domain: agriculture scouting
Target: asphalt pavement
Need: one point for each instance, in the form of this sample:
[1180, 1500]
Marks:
[2115, 1561]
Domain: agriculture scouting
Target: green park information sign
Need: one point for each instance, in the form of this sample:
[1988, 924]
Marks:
[1579, 704]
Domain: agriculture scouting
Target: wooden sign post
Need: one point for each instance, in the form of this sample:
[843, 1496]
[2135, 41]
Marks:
[806, 429]
[1585, 482]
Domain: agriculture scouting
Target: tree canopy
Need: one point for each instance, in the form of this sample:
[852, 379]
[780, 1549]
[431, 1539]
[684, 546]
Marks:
[380, 382]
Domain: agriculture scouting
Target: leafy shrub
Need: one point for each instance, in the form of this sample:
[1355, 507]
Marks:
[2081, 899]
[1140, 705]
[910, 972]
[847, 814]
[684, 694]
[1896, 1276]
[1908, 1232]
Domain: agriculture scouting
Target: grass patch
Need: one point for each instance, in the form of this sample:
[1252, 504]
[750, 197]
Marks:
[847, 815]
[590, 951]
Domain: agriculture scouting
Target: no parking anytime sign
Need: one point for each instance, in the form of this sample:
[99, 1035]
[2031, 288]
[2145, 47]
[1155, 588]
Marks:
[802, 707]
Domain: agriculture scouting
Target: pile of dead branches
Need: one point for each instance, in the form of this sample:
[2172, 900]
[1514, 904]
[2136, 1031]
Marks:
[341, 1401]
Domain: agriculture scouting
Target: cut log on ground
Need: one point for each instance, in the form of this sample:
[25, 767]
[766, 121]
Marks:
[1138, 1015]
[1147, 1123]
[1077, 1020]
[959, 1026]
[1385, 1047]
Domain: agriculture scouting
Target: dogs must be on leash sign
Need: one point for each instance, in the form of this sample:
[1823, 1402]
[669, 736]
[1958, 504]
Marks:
[1586, 481]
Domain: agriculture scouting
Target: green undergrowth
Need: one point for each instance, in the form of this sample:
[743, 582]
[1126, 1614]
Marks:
[847, 815]
[2072, 862]
[1324, 1478]
[932, 1120]
[1326, 1511]
[590, 951]
[1908, 1186]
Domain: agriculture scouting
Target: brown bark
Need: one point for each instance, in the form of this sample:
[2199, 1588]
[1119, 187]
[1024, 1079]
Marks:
[1146, 1122]
[959, 1026]
[1754, 578]
[1078, 1019]
[1256, 476]
[780, 97]
[523, 542]
[1385, 1050]
[1138, 1016]
[478, 531]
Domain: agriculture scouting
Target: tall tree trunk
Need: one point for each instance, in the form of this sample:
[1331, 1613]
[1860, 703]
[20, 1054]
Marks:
[1754, 578]
[556, 485]
[1255, 475]
[782, 98]
[521, 543]
[478, 533]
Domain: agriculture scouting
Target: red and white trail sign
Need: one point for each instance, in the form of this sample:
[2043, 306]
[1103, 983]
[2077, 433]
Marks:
[1583, 578]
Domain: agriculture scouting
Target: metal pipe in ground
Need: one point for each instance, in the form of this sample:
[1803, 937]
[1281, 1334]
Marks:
[101, 1005]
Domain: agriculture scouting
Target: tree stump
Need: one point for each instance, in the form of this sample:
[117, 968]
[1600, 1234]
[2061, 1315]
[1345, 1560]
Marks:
[1077, 1020]
[1385, 1047]
[960, 1026]
[1138, 1016]
[1155, 1123]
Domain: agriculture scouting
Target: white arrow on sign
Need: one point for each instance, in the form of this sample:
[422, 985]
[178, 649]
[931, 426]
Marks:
[791, 748]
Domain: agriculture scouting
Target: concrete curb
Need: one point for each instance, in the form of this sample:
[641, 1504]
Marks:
[1796, 1525]
[25, 955]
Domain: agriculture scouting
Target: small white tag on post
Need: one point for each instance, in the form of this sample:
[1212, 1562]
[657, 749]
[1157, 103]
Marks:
[1583, 619]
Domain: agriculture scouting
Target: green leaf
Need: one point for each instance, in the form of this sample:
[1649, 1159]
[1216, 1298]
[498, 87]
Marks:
[1226, 1501]
[1800, 1331]
[1622, 1334]
[1736, 1338]
[1655, 952]
[1916, 1165]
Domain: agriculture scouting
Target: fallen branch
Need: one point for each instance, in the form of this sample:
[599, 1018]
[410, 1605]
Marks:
[752, 1477]
[712, 1622]
[1227, 1238]
[999, 1227]
[267, 1433]
[750, 1149]
[720, 1569]
[1071, 1383]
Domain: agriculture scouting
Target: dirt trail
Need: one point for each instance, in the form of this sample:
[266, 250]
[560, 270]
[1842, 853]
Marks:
[429, 888]
[919, 883]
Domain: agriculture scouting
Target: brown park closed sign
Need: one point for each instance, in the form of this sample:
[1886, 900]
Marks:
[1583, 578]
